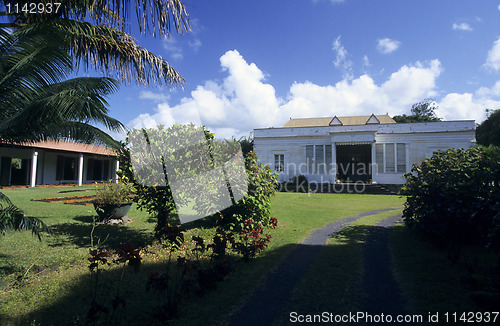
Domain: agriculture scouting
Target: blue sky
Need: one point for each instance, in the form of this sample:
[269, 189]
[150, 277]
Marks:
[254, 64]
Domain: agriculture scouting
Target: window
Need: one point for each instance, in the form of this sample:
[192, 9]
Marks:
[390, 158]
[66, 168]
[318, 159]
[401, 158]
[279, 162]
[97, 169]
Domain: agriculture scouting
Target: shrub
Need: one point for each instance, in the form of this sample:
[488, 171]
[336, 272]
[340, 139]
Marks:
[256, 205]
[113, 193]
[298, 183]
[157, 199]
[453, 197]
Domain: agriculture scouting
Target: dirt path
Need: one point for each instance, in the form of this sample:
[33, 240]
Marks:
[266, 303]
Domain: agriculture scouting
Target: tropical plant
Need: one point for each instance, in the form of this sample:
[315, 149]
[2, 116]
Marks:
[12, 218]
[95, 34]
[36, 102]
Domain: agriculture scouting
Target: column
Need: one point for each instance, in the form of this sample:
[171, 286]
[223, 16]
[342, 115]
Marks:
[80, 170]
[34, 161]
[334, 162]
[117, 167]
[374, 161]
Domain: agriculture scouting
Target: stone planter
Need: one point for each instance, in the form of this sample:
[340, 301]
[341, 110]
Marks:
[111, 211]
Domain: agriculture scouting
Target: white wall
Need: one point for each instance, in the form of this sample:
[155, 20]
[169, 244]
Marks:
[422, 140]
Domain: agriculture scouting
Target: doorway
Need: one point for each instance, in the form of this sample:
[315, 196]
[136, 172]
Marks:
[354, 162]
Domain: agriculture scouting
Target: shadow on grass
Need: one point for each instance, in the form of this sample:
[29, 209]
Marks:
[111, 236]
[6, 268]
[309, 280]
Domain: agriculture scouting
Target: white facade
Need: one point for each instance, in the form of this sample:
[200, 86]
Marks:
[378, 153]
[36, 164]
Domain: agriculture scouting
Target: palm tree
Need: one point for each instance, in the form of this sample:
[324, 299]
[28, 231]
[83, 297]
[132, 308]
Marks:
[96, 33]
[37, 103]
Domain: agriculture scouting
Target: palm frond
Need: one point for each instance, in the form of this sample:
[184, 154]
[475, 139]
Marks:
[158, 17]
[13, 218]
[116, 53]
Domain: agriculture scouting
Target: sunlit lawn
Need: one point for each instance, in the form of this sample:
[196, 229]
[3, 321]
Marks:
[61, 293]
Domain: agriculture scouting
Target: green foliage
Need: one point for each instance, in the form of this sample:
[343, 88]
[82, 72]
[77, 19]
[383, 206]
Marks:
[113, 193]
[453, 197]
[96, 35]
[420, 112]
[36, 102]
[488, 132]
[197, 159]
[256, 205]
[246, 145]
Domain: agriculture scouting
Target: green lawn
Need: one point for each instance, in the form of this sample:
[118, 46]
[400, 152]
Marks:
[48, 282]
[63, 290]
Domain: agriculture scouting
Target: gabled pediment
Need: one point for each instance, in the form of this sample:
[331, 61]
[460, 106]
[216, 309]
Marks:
[372, 120]
[336, 122]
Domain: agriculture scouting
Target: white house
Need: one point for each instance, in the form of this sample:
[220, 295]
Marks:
[358, 148]
[56, 162]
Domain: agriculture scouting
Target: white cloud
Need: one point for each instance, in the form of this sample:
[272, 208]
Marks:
[386, 45]
[195, 44]
[366, 61]
[456, 106]
[493, 59]
[243, 100]
[342, 61]
[232, 108]
[462, 27]
[173, 48]
[157, 97]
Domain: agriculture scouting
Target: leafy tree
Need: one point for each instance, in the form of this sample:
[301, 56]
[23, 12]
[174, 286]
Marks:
[422, 111]
[179, 150]
[96, 34]
[488, 132]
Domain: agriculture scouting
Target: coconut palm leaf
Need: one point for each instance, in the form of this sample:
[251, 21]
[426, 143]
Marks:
[96, 35]
[12, 218]
[35, 104]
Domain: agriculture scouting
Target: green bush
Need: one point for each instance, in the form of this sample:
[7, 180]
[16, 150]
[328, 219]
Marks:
[256, 205]
[453, 197]
[158, 199]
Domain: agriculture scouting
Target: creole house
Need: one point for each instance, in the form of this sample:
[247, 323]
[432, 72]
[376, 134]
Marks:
[368, 149]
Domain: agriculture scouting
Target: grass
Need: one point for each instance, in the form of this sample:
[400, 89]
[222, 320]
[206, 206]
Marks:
[335, 282]
[62, 292]
[431, 281]
[57, 288]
